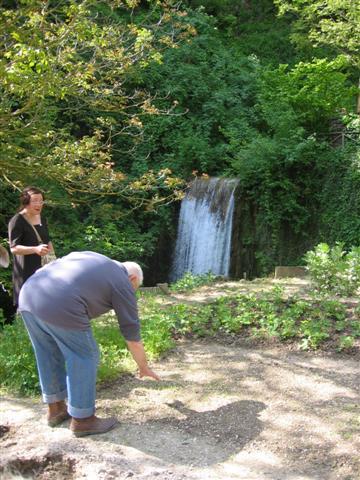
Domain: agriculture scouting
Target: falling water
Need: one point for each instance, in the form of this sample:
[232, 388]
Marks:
[204, 232]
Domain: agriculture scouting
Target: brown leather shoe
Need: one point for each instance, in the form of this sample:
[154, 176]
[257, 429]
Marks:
[91, 425]
[57, 413]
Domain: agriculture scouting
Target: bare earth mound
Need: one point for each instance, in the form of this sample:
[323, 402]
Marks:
[221, 412]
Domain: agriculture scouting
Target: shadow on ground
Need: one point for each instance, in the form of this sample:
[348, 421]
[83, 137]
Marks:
[197, 438]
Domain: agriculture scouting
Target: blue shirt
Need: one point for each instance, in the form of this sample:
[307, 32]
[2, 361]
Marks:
[73, 289]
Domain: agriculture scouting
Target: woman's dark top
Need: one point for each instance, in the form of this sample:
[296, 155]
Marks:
[21, 233]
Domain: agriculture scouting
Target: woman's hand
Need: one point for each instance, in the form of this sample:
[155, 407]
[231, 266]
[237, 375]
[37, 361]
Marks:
[42, 249]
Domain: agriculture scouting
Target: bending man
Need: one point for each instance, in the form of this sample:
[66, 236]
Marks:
[56, 304]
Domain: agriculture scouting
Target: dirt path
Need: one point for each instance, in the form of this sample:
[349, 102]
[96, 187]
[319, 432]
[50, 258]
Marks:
[221, 412]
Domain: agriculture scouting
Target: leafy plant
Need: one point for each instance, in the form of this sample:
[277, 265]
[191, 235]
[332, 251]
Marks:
[313, 332]
[156, 333]
[346, 342]
[333, 270]
[355, 328]
[190, 320]
[190, 281]
[310, 323]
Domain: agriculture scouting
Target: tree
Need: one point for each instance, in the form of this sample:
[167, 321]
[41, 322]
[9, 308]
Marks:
[334, 23]
[213, 86]
[71, 60]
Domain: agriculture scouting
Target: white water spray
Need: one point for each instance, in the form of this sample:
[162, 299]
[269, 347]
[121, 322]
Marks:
[204, 232]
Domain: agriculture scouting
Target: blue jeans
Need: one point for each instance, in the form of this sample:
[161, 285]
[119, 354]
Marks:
[67, 362]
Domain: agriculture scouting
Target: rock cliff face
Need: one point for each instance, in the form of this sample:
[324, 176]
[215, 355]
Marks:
[243, 244]
[257, 247]
[222, 230]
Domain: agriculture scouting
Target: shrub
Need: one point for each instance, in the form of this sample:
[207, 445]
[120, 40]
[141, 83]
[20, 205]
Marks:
[346, 342]
[333, 270]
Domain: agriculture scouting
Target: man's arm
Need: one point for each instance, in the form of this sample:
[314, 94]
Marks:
[138, 353]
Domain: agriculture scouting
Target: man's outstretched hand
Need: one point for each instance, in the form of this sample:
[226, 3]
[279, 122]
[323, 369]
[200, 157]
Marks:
[147, 372]
[138, 353]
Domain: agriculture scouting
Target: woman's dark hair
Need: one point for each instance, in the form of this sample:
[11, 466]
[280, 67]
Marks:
[25, 195]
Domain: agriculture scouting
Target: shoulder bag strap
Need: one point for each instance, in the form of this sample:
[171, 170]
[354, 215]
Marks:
[39, 239]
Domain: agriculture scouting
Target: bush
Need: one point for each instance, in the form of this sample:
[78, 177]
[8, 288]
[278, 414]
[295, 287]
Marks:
[333, 270]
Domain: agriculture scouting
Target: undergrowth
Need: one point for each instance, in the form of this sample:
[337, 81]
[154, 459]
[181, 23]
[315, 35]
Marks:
[309, 324]
[190, 282]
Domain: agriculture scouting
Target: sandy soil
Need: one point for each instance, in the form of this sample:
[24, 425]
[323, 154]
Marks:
[221, 412]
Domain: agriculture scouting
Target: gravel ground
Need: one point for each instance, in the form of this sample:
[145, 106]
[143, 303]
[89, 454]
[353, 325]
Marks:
[220, 412]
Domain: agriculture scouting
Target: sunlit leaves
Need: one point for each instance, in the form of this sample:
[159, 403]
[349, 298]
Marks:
[334, 23]
[72, 60]
[317, 89]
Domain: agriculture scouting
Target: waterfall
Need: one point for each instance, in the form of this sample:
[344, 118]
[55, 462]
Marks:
[204, 233]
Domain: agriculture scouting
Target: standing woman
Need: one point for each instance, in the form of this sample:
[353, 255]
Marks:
[24, 244]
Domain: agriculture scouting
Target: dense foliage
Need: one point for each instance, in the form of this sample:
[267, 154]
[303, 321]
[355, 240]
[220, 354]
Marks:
[109, 106]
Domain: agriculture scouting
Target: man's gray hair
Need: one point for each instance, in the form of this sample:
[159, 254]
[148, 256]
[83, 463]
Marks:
[134, 269]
